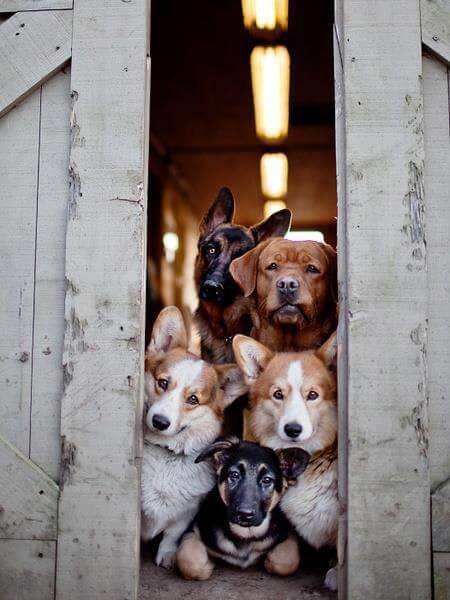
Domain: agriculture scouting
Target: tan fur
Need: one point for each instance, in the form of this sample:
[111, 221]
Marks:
[284, 559]
[317, 313]
[192, 558]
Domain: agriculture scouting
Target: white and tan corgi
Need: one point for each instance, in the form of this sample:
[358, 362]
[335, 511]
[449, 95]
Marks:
[293, 404]
[185, 398]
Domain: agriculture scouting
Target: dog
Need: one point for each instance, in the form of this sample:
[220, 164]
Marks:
[293, 404]
[222, 310]
[185, 397]
[240, 520]
[293, 287]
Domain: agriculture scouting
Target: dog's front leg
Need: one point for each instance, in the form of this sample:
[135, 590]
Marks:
[284, 559]
[192, 558]
[165, 557]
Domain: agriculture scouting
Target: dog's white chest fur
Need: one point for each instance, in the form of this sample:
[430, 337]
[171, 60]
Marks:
[172, 487]
[312, 506]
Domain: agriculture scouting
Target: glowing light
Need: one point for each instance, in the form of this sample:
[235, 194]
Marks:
[274, 175]
[270, 83]
[171, 244]
[273, 206]
[265, 15]
[305, 236]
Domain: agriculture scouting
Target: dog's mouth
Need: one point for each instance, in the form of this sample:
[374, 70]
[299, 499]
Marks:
[289, 314]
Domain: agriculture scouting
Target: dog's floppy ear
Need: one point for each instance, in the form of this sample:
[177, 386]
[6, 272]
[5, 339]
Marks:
[277, 225]
[328, 352]
[331, 255]
[252, 356]
[169, 331]
[219, 451]
[245, 269]
[293, 461]
[220, 211]
[231, 381]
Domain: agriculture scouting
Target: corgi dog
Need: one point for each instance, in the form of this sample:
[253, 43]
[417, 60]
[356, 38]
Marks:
[240, 520]
[185, 400]
[293, 404]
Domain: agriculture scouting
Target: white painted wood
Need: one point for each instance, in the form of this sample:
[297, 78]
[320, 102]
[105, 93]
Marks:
[47, 381]
[18, 5]
[436, 27]
[437, 185]
[19, 147]
[388, 543]
[33, 46]
[27, 570]
[28, 497]
[98, 544]
[441, 572]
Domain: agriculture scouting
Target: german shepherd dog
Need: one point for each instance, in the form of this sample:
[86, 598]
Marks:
[185, 397]
[240, 520]
[223, 311]
[293, 404]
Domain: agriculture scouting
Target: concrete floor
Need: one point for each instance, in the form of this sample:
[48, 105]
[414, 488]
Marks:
[228, 583]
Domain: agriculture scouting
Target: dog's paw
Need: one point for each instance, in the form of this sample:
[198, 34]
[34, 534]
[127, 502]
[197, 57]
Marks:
[165, 558]
[331, 579]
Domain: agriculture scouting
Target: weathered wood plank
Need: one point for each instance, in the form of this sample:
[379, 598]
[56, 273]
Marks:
[437, 186]
[19, 150]
[33, 46]
[53, 194]
[98, 545]
[441, 569]
[24, 5]
[27, 569]
[388, 544]
[436, 27]
[28, 497]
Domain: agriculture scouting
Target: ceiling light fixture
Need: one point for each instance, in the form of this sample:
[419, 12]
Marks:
[265, 16]
[274, 174]
[270, 83]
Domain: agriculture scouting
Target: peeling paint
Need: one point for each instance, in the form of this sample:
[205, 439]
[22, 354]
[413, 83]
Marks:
[67, 373]
[414, 227]
[74, 191]
[71, 287]
[68, 456]
[74, 328]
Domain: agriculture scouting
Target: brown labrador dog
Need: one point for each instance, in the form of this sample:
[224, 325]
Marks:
[293, 288]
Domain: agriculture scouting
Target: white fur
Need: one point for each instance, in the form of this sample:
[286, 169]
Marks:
[294, 406]
[251, 532]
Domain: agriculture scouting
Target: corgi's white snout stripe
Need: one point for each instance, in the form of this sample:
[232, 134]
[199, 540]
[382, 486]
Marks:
[294, 406]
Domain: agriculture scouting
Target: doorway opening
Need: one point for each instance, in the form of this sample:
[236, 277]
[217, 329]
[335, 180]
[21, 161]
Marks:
[204, 136]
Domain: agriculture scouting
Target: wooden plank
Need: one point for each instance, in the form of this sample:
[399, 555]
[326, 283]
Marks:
[47, 381]
[27, 570]
[437, 184]
[19, 149]
[28, 497]
[98, 545]
[436, 27]
[441, 571]
[33, 46]
[388, 544]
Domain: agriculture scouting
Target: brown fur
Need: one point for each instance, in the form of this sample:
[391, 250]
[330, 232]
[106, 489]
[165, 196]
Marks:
[313, 314]
[284, 559]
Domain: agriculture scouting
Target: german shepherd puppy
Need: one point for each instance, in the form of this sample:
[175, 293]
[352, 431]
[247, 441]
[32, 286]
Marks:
[240, 520]
[223, 311]
[293, 404]
[185, 397]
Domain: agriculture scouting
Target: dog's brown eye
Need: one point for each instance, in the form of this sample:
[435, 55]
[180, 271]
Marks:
[312, 395]
[163, 384]
[312, 269]
[233, 475]
[211, 250]
[278, 395]
[267, 480]
[192, 400]
[272, 267]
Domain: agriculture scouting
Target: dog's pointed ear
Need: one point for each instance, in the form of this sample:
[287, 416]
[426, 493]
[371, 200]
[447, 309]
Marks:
[169, 331]
[293, 461]
[245, 269]
[328, 352]
[219, 451]
[232, 383]
[251, 356]
[277, 225]
[220, 211]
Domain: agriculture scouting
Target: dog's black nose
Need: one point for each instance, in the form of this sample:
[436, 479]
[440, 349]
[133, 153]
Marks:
[160, 422]
[287, 284]
[212, 290]
[246, 514]
[293, 430]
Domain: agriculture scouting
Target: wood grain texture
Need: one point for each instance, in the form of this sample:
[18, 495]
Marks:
[388, 545]
[437, 185]
[436, 27]
[28, 497]
[24, 5]
[33, 46]
[27, 570]
[441, 575]
[47, 380]
[98, 544]
[19, 151]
